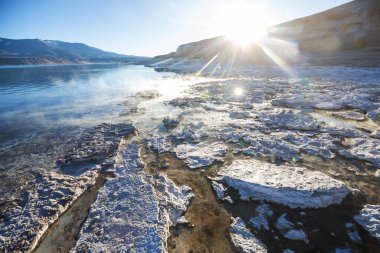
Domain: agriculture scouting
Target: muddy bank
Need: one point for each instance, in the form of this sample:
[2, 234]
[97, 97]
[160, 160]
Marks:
[206, 229]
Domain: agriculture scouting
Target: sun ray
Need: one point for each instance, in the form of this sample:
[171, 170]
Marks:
[278, 60]
[206, 65]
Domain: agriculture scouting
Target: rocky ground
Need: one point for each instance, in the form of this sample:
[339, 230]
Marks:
[259, 160]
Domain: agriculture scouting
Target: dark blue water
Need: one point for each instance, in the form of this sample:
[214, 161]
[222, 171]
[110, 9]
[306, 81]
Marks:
[37, 98]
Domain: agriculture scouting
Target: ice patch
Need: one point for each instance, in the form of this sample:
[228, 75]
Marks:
[291, 186]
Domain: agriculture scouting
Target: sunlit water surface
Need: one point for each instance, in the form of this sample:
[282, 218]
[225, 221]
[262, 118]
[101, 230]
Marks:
[38, 98]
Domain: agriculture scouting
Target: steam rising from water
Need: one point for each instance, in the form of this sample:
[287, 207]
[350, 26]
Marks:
[37, 98]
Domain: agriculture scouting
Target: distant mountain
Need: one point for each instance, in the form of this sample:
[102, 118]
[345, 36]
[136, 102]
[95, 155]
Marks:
[347, 34]
[35, 51]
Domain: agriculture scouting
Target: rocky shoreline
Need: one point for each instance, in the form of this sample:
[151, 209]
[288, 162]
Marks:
[286, 164]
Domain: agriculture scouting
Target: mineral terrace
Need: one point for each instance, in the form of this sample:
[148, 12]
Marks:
[289, 163]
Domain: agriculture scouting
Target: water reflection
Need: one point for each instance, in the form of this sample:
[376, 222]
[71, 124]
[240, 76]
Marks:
[36, 98]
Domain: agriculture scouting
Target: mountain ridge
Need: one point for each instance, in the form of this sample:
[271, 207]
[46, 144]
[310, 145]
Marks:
[37, 51]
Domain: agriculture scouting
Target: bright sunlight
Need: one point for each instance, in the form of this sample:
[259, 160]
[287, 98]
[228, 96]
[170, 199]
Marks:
[243, 22]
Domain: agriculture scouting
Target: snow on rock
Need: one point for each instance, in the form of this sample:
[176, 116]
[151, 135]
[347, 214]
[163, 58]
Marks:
[288, 119]
[364, 149]
[369, 219]
[133, 211]
[23, 223]
[200, 155]
[291, 186]
[158, 142]
[349, 115]
[243, 239]
[261, 220]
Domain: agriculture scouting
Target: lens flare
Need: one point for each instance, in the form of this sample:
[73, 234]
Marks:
[238, 91]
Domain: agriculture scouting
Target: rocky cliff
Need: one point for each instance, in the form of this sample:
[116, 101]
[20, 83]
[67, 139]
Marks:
[349, 26]
[347, 34]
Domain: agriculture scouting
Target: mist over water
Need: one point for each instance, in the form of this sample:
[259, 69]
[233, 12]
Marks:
[36, 98]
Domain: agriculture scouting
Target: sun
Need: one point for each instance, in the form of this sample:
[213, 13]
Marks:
[244, 22]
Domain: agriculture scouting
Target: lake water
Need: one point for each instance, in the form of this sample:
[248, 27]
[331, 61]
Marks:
[36, 98]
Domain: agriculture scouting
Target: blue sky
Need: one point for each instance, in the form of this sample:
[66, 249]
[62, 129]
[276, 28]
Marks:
[139, 27]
